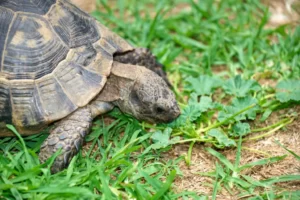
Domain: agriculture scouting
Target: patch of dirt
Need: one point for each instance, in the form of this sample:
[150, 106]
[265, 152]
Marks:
[283, 12]
[86, 5]
[202, 161]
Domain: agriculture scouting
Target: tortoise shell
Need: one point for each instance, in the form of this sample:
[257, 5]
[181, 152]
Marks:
[54, 58]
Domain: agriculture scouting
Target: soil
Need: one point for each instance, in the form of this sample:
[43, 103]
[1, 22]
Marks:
[86, 5]
[202, 161]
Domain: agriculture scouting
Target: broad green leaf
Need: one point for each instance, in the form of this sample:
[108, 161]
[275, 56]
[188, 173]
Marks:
[241, 129]
[288, 90]
[162, 139]
[237, 105]
[222, 139]
[203, 85]
[239, 87]
[193, 110]
[205, 103]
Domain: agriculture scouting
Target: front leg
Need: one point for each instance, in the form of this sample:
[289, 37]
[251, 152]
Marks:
[69, 133]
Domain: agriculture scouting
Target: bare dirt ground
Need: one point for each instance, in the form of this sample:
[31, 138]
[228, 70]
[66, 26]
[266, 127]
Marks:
[86, 5]
[283, 11]
[202, 161]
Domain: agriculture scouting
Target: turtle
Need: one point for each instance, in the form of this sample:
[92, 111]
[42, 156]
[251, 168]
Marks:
[61, 68]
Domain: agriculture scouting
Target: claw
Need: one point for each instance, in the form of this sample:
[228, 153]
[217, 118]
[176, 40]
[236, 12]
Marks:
[67, 157]
[77, 144]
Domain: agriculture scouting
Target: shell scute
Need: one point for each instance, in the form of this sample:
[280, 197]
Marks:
[55, 102]
[74, 27]
[54, 58]
[26, 105]
[5, 104]
[30, 6]
[32, 49]
[78, 83]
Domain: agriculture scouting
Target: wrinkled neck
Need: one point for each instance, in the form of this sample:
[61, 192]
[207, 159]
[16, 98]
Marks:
[120, 82]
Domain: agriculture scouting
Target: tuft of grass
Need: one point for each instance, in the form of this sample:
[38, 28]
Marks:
[217, 54]
[113, 168]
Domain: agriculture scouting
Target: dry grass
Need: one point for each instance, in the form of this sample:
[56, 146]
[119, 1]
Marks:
[202, 161]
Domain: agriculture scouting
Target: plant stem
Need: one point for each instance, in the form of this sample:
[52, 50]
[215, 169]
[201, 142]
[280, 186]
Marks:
[271, 131]
[189, 155]
[267, 97]
[194, 140]
[226, 120]
[271, 126]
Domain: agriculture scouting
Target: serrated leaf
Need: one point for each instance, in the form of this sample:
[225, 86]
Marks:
[288, 90]
[162, 139]
[206, 103]
[237, 105]
[189, 113]
[222, 139]
[203, 105]
[241, 129]
[239, 87]
[203, 85]
[193, 110]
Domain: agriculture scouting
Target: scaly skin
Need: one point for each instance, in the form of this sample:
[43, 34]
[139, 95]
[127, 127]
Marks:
[67, 135]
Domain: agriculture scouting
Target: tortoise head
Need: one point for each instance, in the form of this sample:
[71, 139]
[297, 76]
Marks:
[146, 95]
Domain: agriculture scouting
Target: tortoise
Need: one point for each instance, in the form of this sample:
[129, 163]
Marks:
[61, 66]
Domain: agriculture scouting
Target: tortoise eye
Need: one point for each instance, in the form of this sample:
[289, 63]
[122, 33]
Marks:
[135, 98]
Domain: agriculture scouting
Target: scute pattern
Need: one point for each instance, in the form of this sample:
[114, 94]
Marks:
[26, 106]
[32, 49]
[30, 6]
[74, 27]
[78, 83]
[55, 102]
[84, 55]
[118, 44]
[54, 59]
[5, 105]
[6, 17]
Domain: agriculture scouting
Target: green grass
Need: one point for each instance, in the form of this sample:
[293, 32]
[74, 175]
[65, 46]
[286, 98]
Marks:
[124, 160]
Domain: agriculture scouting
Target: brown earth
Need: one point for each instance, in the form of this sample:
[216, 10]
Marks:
[86, 5]
[202, 161]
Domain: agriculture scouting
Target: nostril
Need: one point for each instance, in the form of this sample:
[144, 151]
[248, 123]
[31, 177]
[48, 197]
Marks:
[160, 110]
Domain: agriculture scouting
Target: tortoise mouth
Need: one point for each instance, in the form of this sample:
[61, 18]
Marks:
[162, 118]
